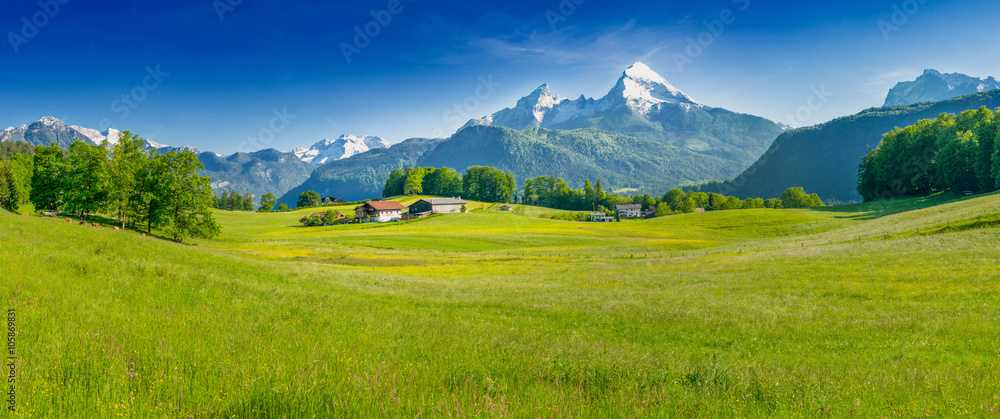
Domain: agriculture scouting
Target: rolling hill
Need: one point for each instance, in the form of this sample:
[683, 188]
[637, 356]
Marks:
[874, 310]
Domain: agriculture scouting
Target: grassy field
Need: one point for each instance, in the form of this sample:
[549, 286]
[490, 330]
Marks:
[872, 310]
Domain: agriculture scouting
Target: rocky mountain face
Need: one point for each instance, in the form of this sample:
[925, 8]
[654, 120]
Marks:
[261, 172]
[933, 86]
[46, 131]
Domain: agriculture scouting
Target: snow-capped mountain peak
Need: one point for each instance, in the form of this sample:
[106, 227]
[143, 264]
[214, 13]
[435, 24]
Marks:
[49, 121]
[640, 71]
[540, 102]
[640, 90]
[155, 144]
[346, 146]
[643, 89]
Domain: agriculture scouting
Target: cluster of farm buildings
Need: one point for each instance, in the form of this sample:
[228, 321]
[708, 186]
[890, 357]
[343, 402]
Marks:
[388, 211]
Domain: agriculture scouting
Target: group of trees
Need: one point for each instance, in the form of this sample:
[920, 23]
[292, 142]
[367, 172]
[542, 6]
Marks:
[491, 185]
[480, 183]
[423, 180]
[327, 218]
[15, 176]
[957, 153]
[234, 201]
[237, 202]
[268, 202]
[677, 201]
[308, 199]
[128, 183]
[551, 192]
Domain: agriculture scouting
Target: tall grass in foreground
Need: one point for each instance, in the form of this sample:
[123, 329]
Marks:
[758, 313]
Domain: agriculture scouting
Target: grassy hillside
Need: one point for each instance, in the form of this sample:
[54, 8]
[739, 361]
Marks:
[870, 310]
[824, 158]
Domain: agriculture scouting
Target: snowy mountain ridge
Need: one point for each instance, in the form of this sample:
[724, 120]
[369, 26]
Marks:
[346, 146]
[934, 86]
[640, 90]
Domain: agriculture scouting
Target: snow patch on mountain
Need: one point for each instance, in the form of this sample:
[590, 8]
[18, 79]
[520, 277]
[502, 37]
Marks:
[111, 135]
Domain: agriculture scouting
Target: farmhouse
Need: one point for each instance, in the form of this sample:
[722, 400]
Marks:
[629, 211]
[379, 211]
[506, 208]
[600, 217]
[438, 206]
[333, 201]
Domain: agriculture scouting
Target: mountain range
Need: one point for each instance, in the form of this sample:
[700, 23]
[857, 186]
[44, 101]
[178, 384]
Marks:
[260, 172]
[645, 134]
[933, 86]
[266, 171]
[361, 176]
[644, 105]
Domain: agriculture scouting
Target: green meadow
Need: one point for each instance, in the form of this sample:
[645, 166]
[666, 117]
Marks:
[887, 309]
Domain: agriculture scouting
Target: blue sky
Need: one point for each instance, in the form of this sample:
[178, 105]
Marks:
[240, 75]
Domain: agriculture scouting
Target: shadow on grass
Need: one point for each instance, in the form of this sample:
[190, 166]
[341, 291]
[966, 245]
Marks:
[878, 209]
[109, 223]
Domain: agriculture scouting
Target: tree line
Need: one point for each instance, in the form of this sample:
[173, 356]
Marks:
[135, 186]
[956, 153]
[480, 183]
[488, 184]
[552, 192]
